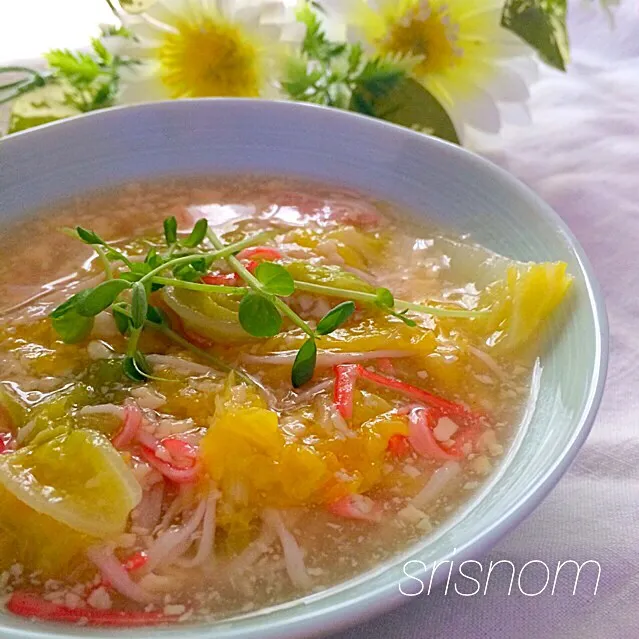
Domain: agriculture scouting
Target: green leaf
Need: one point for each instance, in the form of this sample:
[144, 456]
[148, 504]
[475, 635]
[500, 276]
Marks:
[156, 316]
[408, 104]
[335, 318]
[153, 259]
[101, 297]
[170, 230]
[191, 272]
[115, 256]
[275, 279]
[402, 316]
[131, 277]
[88, 236]
[542, 24]
[40, 106]
[304, 365]
[101, 51]
[80, 68]
[139, 305]
[61, 310]
[379, 77]
[298, 79]
[71, 326]
[136, 367]
[122, 319]
[258, 316]
[315, 43]
[384, 298]
[197, 234]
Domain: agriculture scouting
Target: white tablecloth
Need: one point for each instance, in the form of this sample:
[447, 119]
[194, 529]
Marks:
[582, 155]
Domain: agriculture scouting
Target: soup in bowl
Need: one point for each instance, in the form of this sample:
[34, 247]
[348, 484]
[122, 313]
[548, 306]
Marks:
[228, 392]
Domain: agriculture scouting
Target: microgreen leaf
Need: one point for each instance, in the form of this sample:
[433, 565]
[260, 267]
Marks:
[402, 316]
[71, 326]
[116, 256]
[384, 298]
[304, 365]
[139, 305]
[187, 273]
[197, 234]
[275, 279]
[61, 310]
[136, 367]
[101, 297]
[200, 265]
[170, 230]
[152, 259]
[155, 315]
[130, 276]
[258, 316]
[141, 268]
[335, 318]
[122, 319]
[89, 237]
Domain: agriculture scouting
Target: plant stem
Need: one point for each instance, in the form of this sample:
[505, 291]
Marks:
[224, 253]
[108, 270]
[36, 81]
[256, 285]
[238, 267]
[204, 288]
[113, 9]
[360, 296]
[132, 343]
[283, 308]
[19, 69]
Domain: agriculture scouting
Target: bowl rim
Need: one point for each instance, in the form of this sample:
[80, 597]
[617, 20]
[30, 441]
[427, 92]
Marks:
[385, 597]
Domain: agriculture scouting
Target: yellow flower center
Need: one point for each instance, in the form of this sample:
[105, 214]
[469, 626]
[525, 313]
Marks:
[210, 57]
[424, 32]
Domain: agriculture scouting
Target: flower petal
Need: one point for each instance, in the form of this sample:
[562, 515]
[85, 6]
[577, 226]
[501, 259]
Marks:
[148, 29]
[480, 111]
[503, 82]
[526, 67]
[292, 33]
[516, 114]
[116, 45]
[141, 84]
[171, 12]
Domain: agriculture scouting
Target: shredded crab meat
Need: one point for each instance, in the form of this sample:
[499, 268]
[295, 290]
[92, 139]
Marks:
[250, 555]
[207, 538]
[439, 482]
[180, 365]
[293, 556]
[489, 362]
[325, 359]
[131, 424]
[299, 399]
[116, 575]
[163, 549]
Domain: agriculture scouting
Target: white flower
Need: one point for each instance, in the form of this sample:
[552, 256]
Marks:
[199, 48]
[457, 49]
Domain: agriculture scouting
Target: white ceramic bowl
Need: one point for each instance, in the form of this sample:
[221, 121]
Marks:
[421, 174]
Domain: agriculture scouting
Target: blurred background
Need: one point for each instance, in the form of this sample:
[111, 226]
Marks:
[30, 27]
